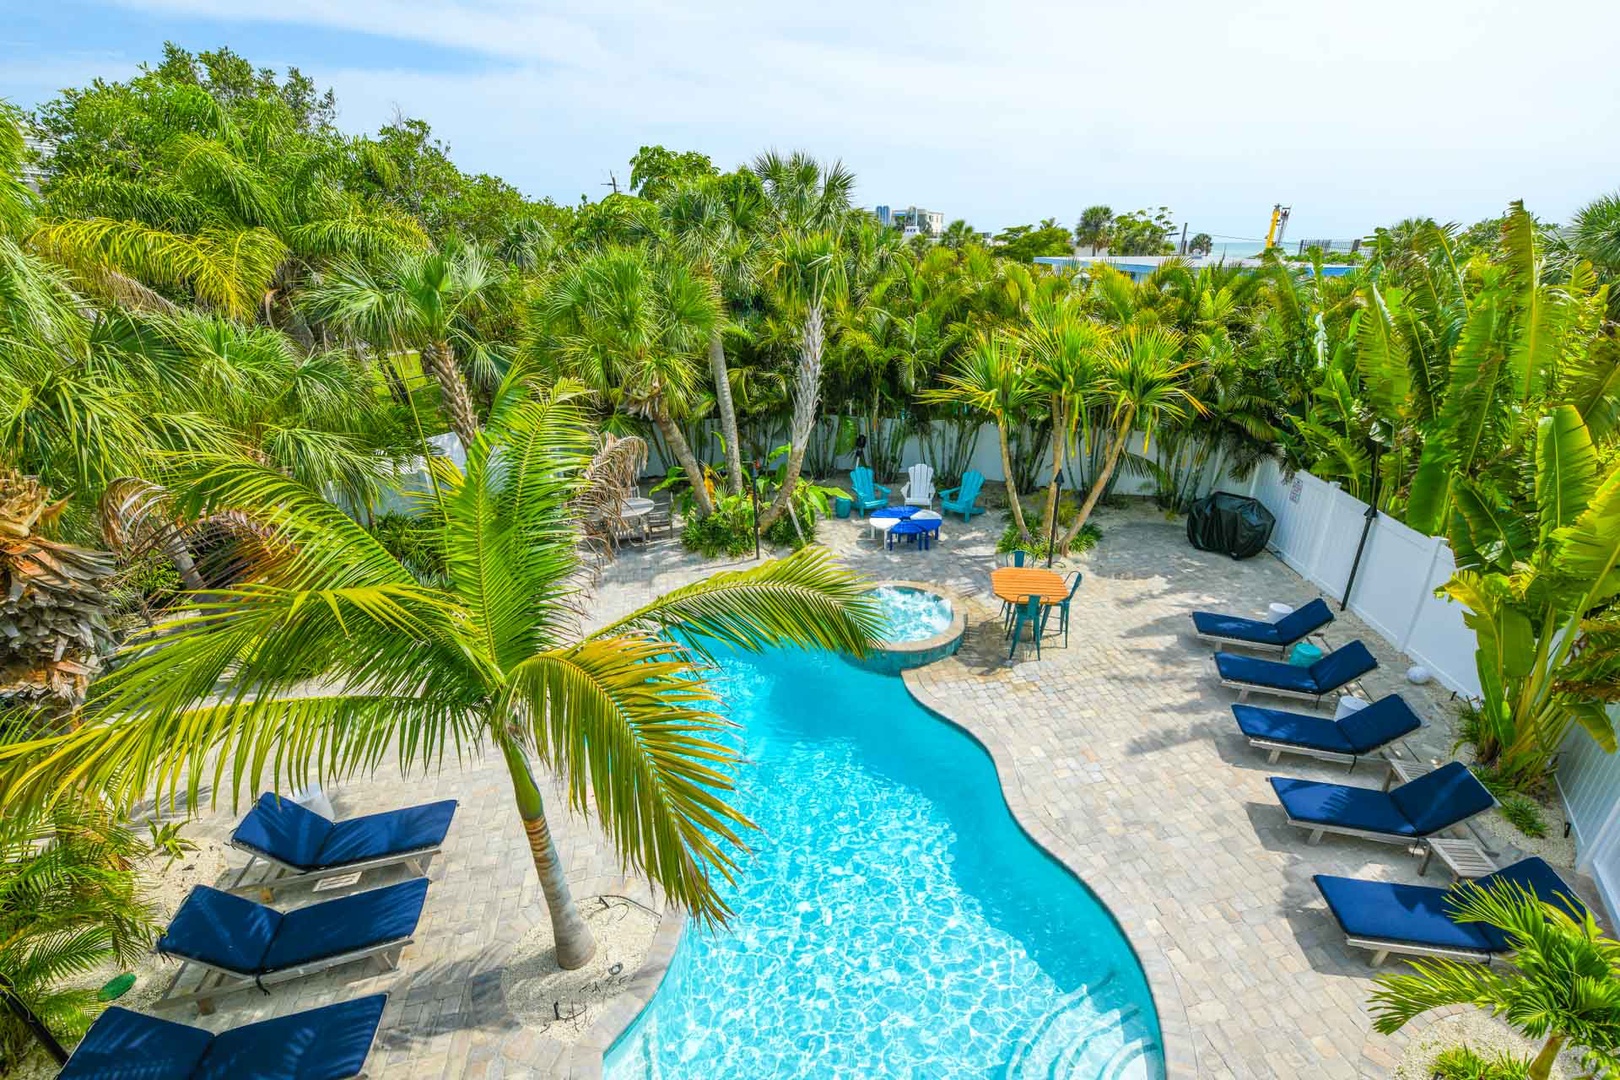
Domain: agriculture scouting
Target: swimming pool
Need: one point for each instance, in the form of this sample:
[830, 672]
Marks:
[892, 920]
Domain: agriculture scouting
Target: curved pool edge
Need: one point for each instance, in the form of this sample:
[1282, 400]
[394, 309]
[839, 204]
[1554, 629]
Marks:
[1175, 1030]
[586, 1059]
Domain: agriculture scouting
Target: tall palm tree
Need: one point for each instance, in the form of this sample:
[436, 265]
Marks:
[1092, 228]
[422, 301]
[630, 323]
[991, 378]
[807, 274]
[1142, 382]
[494, 660]
[1561, 983]
[1067, 348]
[716, 224]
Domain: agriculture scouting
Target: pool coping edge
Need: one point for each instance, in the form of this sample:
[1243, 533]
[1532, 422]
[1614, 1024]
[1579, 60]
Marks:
[1175, 1029]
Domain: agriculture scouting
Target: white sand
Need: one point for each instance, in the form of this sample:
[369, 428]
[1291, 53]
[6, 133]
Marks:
[565, 1004]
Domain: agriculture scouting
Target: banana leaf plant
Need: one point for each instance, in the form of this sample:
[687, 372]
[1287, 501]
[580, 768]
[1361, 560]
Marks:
[1535, 577]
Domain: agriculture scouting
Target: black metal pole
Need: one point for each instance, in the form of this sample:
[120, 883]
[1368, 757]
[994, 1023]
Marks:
[1051, 538]
[37, 1026]
[753, 493]
[1366, 527]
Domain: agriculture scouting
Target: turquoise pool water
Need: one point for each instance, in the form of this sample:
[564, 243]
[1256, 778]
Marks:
[912, 614]
[892, 920]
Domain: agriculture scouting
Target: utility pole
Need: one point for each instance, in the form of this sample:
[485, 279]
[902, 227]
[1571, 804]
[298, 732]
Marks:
[1184, 238]
[613, 182]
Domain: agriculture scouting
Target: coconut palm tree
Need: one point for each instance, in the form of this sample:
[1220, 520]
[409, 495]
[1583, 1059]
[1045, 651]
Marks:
[991, 378]
[421, 301]
[630, 323]
[493, 661]
[1092, 228]
[1141, 382]
[1561, 983]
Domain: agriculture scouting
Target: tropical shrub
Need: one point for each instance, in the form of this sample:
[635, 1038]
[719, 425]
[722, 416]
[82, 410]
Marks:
[1560, 984]
[1461, 1063]
[69, 903]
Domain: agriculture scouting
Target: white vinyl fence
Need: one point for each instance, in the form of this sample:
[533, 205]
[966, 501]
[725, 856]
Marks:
[1318, 529]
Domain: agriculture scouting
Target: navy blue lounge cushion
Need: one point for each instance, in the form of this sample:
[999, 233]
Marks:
[352, 922]
[1342, 665]
[300, 837]
[238, 935]
[124, 1045]
[1296, 729]
[225, 931]
[1434, 801]
[1314, 802]
[280, 827]
[1418, 914]
[1273, 673]
[414, 828]
[1292, 627]
[1442, 798]
[1379, 724]
[1422, 914]
[329, 1043]
[1329, 673]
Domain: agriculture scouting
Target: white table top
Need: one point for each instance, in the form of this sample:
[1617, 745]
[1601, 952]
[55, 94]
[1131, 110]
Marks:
[636, 507]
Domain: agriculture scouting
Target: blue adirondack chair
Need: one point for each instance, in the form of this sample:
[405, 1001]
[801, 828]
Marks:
[868, 496]
[961, 499]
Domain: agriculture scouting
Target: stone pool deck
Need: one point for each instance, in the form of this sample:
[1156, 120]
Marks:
[1118, 753]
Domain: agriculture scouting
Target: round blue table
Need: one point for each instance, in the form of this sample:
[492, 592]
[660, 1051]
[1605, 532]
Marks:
[919, 531]
[898, 512]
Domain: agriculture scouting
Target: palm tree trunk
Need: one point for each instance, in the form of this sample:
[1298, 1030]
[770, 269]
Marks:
[1060, 440]
[728, 412]
[1098, 483]
[575, 943]
[1541, 1067]
[1014, 507]
[174, 545]
[438, 358]
[676, 441]
[806, 399]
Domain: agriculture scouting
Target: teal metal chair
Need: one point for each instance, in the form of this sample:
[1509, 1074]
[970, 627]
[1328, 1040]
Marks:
[868, 496]
[1063, 608]
[1033, 614]
[1017, 558]
[963, 498]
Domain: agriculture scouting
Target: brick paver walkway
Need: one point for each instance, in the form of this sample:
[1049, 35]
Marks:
[1118, 753]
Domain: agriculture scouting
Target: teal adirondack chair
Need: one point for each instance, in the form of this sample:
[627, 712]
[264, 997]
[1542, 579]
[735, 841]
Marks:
[961, 500]
[868, 496]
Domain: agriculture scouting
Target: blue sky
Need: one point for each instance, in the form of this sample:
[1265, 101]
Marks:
[1355, 114]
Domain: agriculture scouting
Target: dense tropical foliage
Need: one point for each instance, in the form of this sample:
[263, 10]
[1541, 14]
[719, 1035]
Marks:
[229, 331]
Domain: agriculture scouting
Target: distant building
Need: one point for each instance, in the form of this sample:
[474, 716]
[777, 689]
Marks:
[913, 221]
[31, 172]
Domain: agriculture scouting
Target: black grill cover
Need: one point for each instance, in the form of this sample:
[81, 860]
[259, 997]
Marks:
[1235, 524]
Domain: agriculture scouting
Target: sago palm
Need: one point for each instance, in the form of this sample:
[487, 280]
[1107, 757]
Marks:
[1561, 984]
[494, 661]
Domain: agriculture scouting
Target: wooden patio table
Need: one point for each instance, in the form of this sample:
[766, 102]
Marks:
[1016, 584]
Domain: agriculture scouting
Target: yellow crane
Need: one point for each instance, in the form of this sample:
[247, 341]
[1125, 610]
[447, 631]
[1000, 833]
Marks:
[1279, 222]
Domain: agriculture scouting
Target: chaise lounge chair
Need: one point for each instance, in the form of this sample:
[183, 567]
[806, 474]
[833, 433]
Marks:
[1297, 625]
[297, 844]
[329, 1043]
[1432, 803]
[1335, 671]
[1348, 740]
[239, 943]
[1417, 919]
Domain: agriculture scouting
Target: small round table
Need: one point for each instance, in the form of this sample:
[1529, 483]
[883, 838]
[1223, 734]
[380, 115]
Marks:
[919, 529]
[885, 519]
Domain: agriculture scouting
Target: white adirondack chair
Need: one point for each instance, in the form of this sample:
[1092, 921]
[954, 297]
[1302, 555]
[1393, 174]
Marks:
[919, 489]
